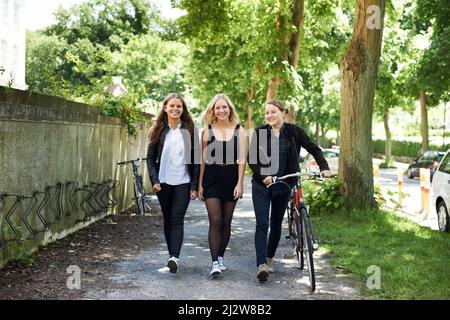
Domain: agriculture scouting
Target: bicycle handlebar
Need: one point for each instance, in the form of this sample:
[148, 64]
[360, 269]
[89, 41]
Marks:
[276, 179]
[298, 175]
[131, 161]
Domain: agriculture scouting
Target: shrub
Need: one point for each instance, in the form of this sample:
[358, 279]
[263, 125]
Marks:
[323, 196]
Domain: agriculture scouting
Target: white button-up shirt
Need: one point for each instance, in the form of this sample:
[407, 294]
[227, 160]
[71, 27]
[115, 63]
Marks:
[172, 169]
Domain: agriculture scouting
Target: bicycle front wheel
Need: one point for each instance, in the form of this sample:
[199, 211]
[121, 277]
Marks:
[299, 240]
[308, 249]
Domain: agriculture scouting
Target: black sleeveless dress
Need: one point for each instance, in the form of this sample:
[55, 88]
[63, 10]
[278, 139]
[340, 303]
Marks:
[221, 167]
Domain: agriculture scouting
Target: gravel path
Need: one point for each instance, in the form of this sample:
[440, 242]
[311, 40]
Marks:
[124, 256]
[150, 279]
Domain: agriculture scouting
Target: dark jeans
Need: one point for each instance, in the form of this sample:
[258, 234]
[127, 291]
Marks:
[174, 201]
[268, 208]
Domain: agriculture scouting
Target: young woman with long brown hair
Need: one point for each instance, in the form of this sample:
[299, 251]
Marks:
[173, 159]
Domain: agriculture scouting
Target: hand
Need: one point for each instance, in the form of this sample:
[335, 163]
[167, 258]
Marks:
[193, 194]
[326, 174]
[200, 193]
[157, 187]
[238, 191]
[268, 180]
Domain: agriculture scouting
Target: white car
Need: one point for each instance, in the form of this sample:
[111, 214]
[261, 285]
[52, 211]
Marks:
[331, 155]
[440, 199]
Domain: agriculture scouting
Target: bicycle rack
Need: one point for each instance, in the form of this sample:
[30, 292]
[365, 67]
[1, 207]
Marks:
[103, 197]
[60, 200]
[112, 184]
[56, 197]
[12, 210]
[25, 216]
[86, 200]
[2, 242]
[40, 208]
[98, 191]
[70, 197]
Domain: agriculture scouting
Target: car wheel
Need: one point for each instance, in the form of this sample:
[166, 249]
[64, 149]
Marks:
[409, 174]
[443, 219]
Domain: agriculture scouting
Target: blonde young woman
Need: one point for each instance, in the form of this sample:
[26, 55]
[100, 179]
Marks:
[172, 162]
[221, 173]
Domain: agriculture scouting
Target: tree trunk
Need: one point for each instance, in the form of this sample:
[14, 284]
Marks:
[358, 69]
[424, 121]
[323, 137]
[388, 147]
[273, 86]
[249, 123]
[317, 132]
[290, 51]
[298, 19]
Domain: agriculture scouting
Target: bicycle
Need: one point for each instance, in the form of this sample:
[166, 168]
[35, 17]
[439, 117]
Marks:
[142, 198]
[300, 229]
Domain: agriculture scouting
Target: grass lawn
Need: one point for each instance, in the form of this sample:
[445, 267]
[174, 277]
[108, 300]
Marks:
[414, 261]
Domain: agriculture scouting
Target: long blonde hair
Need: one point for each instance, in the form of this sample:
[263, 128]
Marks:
[210, 117]
[161, 119]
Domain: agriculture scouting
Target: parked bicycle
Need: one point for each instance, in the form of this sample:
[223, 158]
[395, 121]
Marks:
[301, 234]
[141, 197]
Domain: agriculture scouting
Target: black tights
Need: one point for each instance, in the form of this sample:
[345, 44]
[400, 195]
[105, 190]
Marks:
[220, 214]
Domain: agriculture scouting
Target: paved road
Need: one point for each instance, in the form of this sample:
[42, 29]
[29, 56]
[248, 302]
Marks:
[412, 203]
[145, 276]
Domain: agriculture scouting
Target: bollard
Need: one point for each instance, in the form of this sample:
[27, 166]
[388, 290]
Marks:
[400, 186]
[376, 180]
[427, 186]
[422, 189]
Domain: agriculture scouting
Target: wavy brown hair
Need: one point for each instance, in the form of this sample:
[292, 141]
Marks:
[161, 119]
[279, 104]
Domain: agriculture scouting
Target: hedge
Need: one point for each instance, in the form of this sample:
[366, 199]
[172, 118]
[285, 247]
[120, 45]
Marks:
[404, 148]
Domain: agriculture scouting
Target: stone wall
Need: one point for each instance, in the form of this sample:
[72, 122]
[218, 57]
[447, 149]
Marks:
[58, 169]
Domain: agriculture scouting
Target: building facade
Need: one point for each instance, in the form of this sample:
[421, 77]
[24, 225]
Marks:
[12, 43]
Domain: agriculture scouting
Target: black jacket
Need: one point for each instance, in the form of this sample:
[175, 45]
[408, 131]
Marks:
[192, 158]
[259, 157]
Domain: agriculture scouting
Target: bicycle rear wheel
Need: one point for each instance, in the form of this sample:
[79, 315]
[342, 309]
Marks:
[139, 194]
[308, 249]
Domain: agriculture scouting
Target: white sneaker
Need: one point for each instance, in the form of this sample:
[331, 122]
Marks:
[215, 269]
[269, 263]
[172, 264]
[221, 264]
[263, 272]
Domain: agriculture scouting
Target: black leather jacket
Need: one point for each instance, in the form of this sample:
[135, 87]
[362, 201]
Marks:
[296, 139]
[192, 158]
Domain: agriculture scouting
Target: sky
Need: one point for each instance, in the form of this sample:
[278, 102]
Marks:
[39, 13]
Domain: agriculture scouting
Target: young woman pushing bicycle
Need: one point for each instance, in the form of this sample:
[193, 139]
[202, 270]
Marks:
[173, 165]
[274, 151]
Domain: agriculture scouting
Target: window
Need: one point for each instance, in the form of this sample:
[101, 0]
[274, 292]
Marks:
[17, 14]
[429, 156]
[445, 164]
[4, 54]
[5, 9]
[15, 65]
